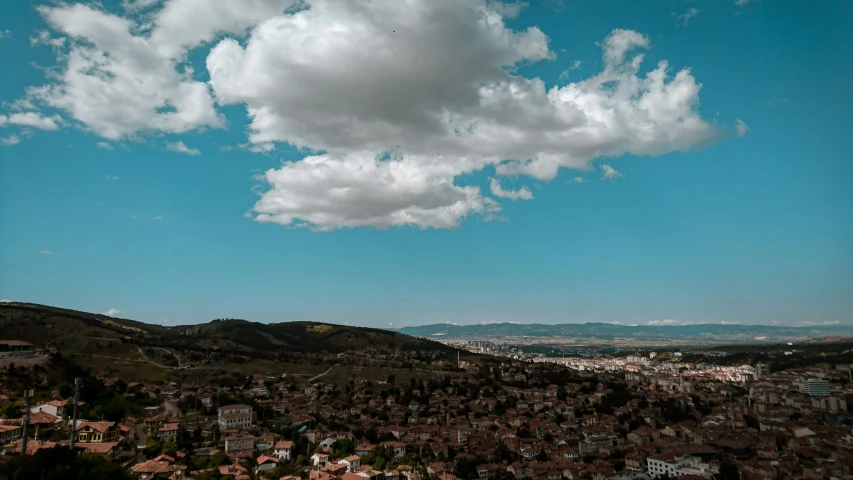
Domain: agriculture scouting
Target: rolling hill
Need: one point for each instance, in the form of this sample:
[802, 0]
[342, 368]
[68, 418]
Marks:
[80, 332]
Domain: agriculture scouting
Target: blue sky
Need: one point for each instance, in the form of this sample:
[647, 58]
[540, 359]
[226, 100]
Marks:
[443, 183]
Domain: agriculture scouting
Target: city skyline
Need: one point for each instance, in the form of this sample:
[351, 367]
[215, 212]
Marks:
[371, 164]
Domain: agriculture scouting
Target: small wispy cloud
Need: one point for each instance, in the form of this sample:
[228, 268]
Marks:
[199, 303]
[742, 3]
[105, 146]
[10, 140]
[521, 194]
[46, 252]
[664, 322]
[686, 16]
[111, 177]
[5, 300]
[5, 34]
[22, 103]
[577, 180]
[564, 75]
[156, 218]
[609, 173]
[43, 37]
[774, 101]
[181, 147]
[555, 6]
[741, 128]
[261, 147]
[137, 5]
[111, 312]
[729, 322]
[32, 120]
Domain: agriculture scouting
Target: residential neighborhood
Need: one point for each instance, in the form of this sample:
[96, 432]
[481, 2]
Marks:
[506, 419]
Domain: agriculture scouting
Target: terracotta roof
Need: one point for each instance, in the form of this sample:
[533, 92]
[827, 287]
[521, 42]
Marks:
[33, 446]
[231, 469]
[153, 466]
[97, 426]
[42, 418]
[97, 448]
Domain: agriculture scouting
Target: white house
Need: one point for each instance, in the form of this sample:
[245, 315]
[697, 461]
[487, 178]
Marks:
[351, 462]
[53, 407]
[320, 459]
[283, 450]
[235, 416]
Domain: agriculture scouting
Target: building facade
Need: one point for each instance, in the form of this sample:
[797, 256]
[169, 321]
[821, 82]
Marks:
[816, 387]
[235, 416]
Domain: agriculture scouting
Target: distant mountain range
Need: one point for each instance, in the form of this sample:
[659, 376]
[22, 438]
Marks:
[586, 333]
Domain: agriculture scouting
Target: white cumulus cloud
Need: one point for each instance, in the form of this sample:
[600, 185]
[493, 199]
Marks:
[394, 101]
[119, 81]
[434, 86]
[112, 312]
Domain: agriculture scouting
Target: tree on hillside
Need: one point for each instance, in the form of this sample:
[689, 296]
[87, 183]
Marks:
[728, 471]
[61, 464]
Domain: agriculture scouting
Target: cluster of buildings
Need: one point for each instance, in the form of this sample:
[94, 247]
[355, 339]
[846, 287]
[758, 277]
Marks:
[604, 419]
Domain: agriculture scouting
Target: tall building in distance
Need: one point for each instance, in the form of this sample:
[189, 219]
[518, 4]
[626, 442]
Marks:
[816, 387]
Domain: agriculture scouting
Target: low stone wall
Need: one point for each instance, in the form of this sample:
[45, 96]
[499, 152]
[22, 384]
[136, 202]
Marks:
[24, 362]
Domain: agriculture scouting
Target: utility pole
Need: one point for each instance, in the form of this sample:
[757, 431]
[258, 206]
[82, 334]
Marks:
[78, 384]
[27, 396]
